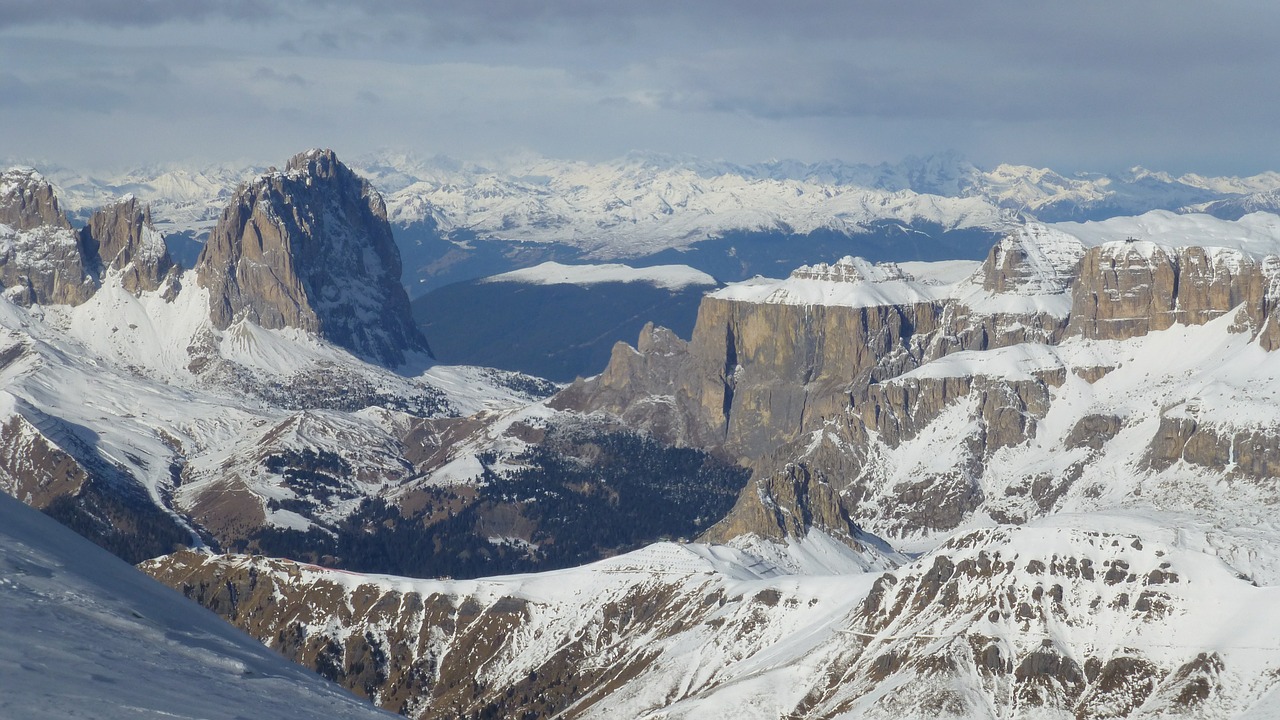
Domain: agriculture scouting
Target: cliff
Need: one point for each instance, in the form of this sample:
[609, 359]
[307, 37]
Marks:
[309, 247]
[122, 239]
[41, 259]
[867, 397]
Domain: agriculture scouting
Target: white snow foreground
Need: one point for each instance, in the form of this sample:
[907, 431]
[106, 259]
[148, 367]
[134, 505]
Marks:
[83, 634]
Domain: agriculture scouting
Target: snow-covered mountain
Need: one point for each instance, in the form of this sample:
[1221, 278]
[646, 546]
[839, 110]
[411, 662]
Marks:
[1066, 453]
[83, 634]
[1111, 618]
[448, 215]
[135, 412]
[984, 489]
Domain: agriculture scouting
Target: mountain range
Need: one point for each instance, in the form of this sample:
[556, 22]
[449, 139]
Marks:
[1032, 484]
[457, 221]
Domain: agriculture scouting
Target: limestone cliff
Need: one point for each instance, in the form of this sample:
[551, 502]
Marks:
[755, 376]
[123, 239]
[1129, 289]
[41, 259]
[309, 247]
[864, 397]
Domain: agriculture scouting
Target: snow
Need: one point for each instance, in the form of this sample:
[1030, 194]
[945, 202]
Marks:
[1256, 234]
[671, 277]
[112, 379]
[849, 282]
[743, 638]
[1045, 260]
[85, 635]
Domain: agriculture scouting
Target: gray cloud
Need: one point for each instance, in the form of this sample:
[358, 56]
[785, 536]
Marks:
[1076, 84]
[121, 13]
[270, 75]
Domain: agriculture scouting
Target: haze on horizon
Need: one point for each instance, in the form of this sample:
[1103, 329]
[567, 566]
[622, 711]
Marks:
[1174, 86]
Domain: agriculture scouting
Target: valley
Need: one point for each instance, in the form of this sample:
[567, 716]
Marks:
[1027, 478]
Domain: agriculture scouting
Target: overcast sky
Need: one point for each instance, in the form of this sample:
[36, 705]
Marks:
[1175, 85]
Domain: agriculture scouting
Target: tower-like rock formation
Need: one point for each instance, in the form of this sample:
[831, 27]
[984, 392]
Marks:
[309, 247]
[41, 260]
[122, 238]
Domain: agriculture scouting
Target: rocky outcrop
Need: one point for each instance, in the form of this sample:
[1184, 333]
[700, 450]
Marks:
[1020, 294]
[1233, 453]
[309, 247]
[760, 378]
[28, 201]
[754, 376]
[122, 239]
[1128, 289]
[41, 259]
[439, 651]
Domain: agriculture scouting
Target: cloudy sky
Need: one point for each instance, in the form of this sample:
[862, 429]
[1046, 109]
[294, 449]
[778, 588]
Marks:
[1176, 85]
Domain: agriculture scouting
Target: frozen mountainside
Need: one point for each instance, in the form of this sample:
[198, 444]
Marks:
[145, 389]
[183, 199]
[643, 203]
[1036, 261]
[670, 277]
[158, 408]
[1032, 622]
[1257, 233]
[85, 635]
[1061, 376]
[628, 208]
[849, 282]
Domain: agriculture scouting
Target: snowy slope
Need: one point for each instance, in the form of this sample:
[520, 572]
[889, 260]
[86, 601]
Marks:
[1255, 233]
[1035, 622]
[670, 277]
[85, 635]
[148, 387]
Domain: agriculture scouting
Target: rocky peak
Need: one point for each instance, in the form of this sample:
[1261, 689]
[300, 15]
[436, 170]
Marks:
[1129, 288]
[41, 260]
[1033, 260]
[850, 269]
[123, 238]
[27, 201]
[309, 247]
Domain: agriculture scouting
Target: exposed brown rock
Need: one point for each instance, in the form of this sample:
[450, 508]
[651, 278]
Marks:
[27, 201]
[310, 248]
[124, 240]
[32, 469]
[41, 260]
[1129, 289]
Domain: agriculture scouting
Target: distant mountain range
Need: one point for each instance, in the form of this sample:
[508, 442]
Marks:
[460, 220]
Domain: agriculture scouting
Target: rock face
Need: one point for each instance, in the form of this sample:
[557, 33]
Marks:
[1129, 289]
[310, 248]
[41, 259]
[756, 376]
[865, 398]
[27, 201]
[123, 239]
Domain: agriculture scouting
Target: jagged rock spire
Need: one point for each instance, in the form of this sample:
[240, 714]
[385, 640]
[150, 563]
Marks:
[41, 260]
[309, 247]
[121, 237]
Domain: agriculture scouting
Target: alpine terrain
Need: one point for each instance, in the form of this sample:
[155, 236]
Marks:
[1031, 477]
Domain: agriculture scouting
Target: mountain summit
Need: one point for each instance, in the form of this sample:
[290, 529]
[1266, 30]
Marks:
[309, 247]
[41, 260]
